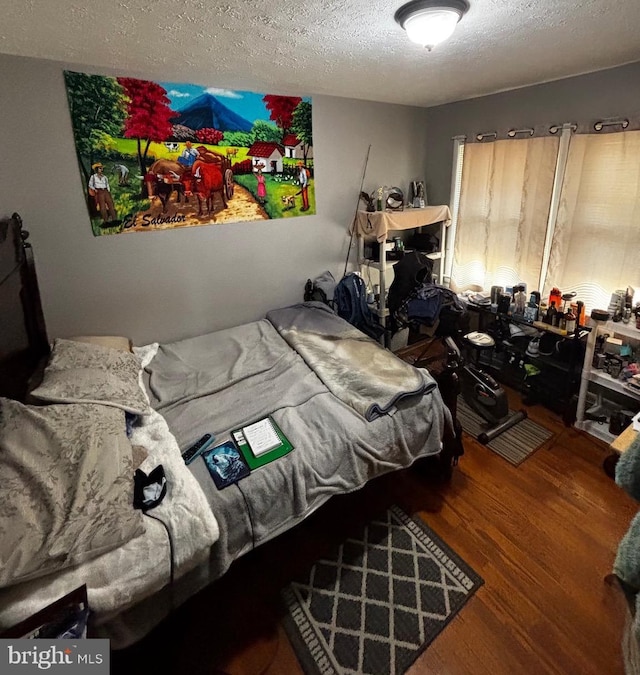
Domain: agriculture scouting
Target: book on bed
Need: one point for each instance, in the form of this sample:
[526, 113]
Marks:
[261, 442]
[225, 464]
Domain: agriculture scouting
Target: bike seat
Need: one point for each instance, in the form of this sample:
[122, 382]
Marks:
[480, 340]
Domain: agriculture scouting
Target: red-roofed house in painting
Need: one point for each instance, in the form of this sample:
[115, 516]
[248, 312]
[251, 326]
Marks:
[293, 147]
[266, 156]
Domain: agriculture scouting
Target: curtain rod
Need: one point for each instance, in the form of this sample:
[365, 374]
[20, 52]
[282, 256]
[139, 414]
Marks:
[611, 122]
[512, 133]
[554, 129]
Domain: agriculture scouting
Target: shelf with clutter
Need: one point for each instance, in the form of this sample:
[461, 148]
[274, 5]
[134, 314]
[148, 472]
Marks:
[596, 358]
[377, 251]
[610, 383]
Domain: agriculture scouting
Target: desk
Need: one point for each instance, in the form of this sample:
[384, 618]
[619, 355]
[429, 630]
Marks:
[558, 379]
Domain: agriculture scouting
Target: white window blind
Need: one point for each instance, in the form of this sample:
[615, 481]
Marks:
[596, 243]
[456, 187]
[502, 219]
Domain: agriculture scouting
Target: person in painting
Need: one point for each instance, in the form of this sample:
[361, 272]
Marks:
[122, 172]
[100, 190]
[303, 179]
[188, 155]
[262, 188]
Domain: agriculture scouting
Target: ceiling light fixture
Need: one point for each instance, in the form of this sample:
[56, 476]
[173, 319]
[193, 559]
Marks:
[430, 22]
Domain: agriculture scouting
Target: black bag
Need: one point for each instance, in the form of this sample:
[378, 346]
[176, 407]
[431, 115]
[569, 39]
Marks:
[408, 274]
[351, 304]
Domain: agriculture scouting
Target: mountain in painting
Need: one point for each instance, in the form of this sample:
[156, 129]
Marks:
[206, 112]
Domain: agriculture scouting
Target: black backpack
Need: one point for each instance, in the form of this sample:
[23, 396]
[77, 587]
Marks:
[351, 304]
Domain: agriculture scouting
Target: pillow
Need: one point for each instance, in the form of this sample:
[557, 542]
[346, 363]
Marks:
[113, 341]
[66, 493]
[87, 373]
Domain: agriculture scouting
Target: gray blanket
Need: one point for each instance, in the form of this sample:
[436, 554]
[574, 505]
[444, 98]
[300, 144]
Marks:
[218, 382]
[355, 368]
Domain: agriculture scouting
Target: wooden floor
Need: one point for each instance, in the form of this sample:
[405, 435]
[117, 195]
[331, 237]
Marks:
[542, 535]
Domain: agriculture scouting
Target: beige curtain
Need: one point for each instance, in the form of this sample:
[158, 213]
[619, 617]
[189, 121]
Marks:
[503, 213]
[596, 244]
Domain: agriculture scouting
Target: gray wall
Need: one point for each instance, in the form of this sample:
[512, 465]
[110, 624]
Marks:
[608, 93]
[171, 284]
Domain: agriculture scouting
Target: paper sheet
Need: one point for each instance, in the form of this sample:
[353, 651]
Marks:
[261, 437]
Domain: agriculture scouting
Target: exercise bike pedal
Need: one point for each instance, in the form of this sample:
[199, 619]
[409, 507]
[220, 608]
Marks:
[487, 436]
[482, 376]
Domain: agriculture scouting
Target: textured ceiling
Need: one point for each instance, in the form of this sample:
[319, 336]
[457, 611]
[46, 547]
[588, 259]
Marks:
[349, 48]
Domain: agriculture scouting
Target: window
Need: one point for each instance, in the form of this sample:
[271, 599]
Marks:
[589, 218]
[595, 248]
[502, 219]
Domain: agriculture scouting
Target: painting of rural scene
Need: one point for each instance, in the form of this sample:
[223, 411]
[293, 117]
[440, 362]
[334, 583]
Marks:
[159, 155]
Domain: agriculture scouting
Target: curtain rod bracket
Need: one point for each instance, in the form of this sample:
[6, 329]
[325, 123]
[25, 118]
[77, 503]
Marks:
[512, 133]
[557, 127]
[489, 134]
[612, 122]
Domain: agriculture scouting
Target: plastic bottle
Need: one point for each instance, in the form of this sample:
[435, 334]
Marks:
[555, 296]
[552, 314]
[531, 310]
[520, 300]
[542, 311]
[561, 320]
[628, 306]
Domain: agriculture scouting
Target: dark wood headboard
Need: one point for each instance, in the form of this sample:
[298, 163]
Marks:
[23, 335]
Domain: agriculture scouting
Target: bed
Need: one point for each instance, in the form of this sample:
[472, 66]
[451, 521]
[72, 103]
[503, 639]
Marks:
[351, 409]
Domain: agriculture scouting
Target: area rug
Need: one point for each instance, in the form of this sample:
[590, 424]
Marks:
[378, 601]
[515, 444]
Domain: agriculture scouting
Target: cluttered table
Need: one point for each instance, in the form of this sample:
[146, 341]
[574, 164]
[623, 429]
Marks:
[598, 374]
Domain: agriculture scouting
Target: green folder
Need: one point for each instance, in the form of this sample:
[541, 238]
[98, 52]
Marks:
[254, 461]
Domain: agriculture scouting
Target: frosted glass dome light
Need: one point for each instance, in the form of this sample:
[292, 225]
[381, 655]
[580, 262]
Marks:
[430, 22]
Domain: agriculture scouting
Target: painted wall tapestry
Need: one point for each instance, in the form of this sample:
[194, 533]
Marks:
[158, 155]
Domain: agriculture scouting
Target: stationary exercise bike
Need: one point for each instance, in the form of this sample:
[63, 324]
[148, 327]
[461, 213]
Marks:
[482, 393]
[479, 390]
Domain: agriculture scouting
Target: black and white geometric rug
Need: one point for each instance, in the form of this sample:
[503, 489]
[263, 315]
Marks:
[376, 603]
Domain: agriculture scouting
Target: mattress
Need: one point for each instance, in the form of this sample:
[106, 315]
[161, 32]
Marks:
[218, 382]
